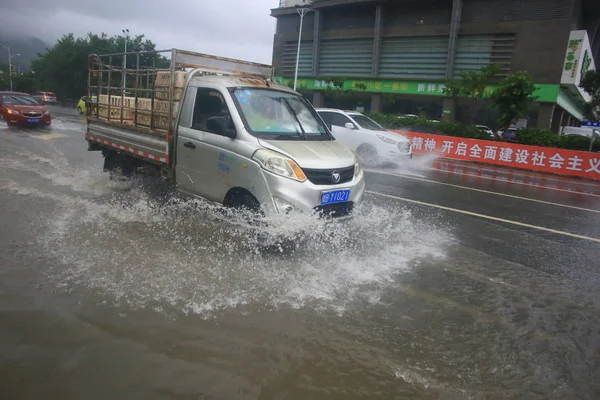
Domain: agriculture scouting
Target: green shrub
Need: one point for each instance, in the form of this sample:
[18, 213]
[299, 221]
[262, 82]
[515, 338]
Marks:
[527, 136]
[537, 137]
[572, 142]
[545, 138]
[455, 129]
[449, 128]
[388, 121]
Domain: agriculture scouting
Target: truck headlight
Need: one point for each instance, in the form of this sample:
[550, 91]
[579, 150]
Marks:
[386, 139]
[279, 164]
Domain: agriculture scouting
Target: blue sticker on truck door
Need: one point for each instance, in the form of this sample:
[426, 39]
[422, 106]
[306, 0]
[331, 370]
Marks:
[224, 162]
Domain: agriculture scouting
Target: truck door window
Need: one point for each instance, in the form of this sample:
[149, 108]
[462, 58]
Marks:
[209, 103]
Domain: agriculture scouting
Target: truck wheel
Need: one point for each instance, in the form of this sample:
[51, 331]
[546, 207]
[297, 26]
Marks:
[245, 202]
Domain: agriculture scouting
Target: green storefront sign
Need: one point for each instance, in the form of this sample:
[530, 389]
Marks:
[545, 93]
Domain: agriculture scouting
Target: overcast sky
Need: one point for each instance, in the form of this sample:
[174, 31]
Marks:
[229, 28]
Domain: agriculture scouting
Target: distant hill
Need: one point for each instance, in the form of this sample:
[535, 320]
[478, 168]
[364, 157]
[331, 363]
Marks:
[27, 47]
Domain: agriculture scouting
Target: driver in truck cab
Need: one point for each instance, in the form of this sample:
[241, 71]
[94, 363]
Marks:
[261, 113]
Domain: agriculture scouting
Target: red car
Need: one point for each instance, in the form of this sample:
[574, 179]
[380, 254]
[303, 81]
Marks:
[22, 109]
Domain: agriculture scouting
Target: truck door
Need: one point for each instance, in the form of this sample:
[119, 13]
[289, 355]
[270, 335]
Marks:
[207, 159]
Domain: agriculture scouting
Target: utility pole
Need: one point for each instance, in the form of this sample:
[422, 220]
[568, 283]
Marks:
[126, 33]
[10, 65]
[302, 11]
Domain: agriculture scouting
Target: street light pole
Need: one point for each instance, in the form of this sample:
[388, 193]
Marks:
[126, 32]
[9, 65]
[302, 11]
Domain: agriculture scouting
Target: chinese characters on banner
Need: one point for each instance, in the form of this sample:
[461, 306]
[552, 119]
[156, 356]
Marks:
[558, 161]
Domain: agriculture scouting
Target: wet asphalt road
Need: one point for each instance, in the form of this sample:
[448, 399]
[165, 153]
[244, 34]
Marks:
[456, 282]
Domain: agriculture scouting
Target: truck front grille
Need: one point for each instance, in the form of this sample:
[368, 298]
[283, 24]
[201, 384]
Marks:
[326, 176]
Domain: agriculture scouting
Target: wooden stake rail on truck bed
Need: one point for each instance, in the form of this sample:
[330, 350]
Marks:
[139, 95]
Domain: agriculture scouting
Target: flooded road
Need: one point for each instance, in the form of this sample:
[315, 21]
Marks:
[454, 282]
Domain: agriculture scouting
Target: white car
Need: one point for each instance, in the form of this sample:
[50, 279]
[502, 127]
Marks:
[373, 144]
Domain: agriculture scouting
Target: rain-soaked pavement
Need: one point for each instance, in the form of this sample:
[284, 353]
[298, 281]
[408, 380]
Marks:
[457, 281]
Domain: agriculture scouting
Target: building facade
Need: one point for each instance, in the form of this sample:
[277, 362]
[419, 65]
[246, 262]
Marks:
[395, 55]
[293, 3]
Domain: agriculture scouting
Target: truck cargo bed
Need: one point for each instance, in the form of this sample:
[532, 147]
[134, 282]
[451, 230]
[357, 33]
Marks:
[139, 93]
[149, 145]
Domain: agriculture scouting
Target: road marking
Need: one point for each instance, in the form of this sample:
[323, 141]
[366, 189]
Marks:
[484, 191]
[50, 136]
[506, 221]
[516, 183]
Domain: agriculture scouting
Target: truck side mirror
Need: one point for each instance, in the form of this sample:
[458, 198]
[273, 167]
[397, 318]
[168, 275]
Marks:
[218, 125]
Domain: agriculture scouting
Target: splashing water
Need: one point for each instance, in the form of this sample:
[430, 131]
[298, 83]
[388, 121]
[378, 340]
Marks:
[141, 245]
[417, 166]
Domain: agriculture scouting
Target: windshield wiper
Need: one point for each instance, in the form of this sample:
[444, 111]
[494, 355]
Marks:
[286, 137]
[291, 110]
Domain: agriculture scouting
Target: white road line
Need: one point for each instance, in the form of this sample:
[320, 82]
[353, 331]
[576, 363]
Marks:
[484, 191]
[506, 221]
[516, 172]
[50, 136]
[516, 183]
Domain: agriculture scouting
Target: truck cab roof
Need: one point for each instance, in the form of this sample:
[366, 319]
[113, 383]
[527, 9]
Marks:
[237, 81]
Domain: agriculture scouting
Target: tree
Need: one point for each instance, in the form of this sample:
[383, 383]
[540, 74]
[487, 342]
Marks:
[472, 85]
[21, 81]
[63, 68]
[591, 84]
[512, 97]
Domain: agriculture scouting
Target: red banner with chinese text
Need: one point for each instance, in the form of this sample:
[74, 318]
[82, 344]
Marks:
[547, 159]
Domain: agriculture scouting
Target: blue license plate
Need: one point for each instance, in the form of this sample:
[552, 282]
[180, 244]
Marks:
[335, 196]
[32, 120]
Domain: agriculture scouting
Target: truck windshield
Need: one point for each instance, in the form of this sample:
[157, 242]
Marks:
[278, 115]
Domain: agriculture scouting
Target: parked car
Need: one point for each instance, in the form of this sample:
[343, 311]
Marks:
[82, 104]
[22, 109]
[372, 143]
[586, 131]
[45, 97]
[486, 130]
